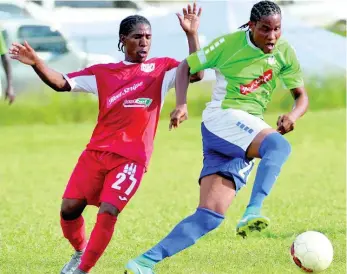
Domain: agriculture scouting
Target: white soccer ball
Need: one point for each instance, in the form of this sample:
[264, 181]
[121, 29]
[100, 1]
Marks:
[312, 251]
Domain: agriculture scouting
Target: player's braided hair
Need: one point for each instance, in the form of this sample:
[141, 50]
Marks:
[127, 25]
[260, 9]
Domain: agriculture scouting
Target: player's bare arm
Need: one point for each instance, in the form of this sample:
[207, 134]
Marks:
[180, 113]
[286, 122]
[27, 55]
[9, 93]
[190, 21]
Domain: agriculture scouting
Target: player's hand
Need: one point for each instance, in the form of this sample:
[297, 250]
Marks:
[9, 94]
[178, 115]
[23, 53]
[285, 124]
[190, 19]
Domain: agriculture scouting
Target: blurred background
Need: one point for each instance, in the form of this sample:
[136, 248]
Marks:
[43, 133]
[70, 35]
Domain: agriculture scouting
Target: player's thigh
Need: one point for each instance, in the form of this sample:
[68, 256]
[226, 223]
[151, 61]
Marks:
[236, 170]
[253, 148]
[216, 193]
[121, 183]
[230, 131]
[87, 179]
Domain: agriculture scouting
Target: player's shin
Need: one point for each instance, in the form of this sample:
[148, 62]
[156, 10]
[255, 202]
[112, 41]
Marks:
[274, 151]
[184, 235]
[99, 239]
[74, 232]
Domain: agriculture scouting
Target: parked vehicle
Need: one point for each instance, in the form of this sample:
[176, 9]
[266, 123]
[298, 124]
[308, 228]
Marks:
[22, 9]
[51, 45]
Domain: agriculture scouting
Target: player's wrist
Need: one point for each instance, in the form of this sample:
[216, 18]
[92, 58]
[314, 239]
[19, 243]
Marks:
[293, 116]
[192, 34]
[181, 106]
[37, 62]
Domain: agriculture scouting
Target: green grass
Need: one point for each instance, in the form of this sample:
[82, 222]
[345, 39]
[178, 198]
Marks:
[36, 161]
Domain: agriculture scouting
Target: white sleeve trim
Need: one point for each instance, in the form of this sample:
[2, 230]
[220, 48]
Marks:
[83, 83]
[168, 83]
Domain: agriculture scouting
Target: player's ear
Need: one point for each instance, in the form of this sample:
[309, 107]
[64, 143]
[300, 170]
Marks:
[251, 25]
[123, 39]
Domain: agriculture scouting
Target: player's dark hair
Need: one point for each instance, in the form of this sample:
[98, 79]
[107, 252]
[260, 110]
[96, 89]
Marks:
[127, 25]
[260, 9]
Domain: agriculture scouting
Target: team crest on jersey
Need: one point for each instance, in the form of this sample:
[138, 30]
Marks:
[256, 83]
[147, 67]
[137, 103]
[271, 60]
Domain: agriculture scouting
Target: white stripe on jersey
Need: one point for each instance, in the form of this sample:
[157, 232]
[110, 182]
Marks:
[84, 83]
[168, 83]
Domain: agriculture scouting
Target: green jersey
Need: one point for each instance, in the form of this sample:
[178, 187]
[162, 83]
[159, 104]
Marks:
[3, 48]
[245, 75]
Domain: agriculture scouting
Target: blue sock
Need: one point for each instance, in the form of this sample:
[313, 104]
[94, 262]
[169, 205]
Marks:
[274, 151]
[185, 234]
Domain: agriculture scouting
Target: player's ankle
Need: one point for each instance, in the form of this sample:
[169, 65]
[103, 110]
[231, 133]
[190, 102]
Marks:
[145, 261]
[252, 210]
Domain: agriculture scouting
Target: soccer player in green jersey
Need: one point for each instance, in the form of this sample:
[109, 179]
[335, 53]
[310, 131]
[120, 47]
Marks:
[247, 64]
[9, 94]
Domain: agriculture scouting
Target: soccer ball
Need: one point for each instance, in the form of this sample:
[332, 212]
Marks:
[312, 251]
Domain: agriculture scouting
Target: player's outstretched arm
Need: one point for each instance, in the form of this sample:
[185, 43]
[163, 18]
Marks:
[9, 93]
[180, 113]
[286, 122]
[190, 21]
[27, 55]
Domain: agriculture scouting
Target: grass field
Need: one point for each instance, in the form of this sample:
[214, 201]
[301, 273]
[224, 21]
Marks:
[36, 161]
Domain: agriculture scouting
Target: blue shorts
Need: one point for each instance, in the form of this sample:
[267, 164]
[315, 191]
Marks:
[225, 159]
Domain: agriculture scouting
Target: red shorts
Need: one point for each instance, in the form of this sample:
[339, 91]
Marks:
[104, 177]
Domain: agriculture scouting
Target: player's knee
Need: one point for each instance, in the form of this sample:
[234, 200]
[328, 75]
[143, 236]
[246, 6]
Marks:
[208, 219]
[71, 209]
[275, 144]
[109, 209]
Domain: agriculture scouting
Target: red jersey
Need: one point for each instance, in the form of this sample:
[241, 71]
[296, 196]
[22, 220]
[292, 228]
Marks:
[130, 99]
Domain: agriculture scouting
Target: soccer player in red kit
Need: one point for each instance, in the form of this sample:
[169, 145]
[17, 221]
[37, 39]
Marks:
[131, 94]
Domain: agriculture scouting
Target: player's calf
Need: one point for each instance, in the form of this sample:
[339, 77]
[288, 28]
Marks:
[100, 236]
[184, 235]
[274, 151]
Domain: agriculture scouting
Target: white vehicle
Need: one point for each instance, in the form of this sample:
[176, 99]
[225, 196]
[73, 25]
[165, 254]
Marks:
[22, 9]
[51, 45]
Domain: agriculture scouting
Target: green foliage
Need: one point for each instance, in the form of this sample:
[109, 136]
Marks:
[53, 108]
[338, 28]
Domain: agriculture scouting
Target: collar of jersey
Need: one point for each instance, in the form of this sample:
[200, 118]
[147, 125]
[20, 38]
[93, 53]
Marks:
[128, 63]
[249, 41]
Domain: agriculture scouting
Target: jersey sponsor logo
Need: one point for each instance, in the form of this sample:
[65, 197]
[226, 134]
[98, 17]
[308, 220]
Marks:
[147, 67]
[256, 83]
[115, 97]
[137, 103]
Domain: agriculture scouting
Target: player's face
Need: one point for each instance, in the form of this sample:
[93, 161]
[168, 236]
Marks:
[266, 32]
[138, 43]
